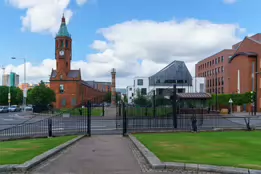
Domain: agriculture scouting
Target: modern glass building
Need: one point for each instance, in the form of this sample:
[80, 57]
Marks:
[11, 79]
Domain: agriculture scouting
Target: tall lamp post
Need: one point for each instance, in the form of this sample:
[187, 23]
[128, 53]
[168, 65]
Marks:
[24, 90]
[216, 90]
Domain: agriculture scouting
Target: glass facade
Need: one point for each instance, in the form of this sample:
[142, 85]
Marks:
[176, 72]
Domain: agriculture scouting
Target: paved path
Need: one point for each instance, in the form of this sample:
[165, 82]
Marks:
[110, 113]
[94, 155]
[112, 154]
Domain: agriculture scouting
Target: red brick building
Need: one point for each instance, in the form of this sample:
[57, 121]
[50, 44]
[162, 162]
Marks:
[70, 89]
[215, 66]
[241, 68]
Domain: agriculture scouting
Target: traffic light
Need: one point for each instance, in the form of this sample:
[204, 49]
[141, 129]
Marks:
[252, 97]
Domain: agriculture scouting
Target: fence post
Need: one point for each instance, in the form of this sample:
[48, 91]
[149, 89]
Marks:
[103, 109]
[120, 105]
[89, 113]
[154, 103]
[174, 106]
[124, 130]
[50, 131]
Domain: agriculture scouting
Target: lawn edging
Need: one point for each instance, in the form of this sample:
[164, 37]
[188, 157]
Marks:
[155, 163]
[38, 159]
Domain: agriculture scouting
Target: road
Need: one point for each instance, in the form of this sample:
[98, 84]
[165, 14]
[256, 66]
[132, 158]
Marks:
[38, 125]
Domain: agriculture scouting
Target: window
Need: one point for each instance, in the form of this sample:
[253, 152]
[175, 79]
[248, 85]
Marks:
[66, 43]
[61, 77]
[222, 69]
[130, 98]
[61, 89]
[132, 94]
[63, 102]
[140, 82]
[222, 58]
[222, 80]
[216, 60]
[73, 101]
[143, 91]
[61, 44]
[218, 69]
[130, 89]
[222, 90]
[201, 87]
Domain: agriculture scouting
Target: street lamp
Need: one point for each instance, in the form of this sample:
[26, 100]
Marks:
[25, 90]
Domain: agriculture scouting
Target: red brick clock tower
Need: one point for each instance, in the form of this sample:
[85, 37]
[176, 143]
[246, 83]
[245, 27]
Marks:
[64, 81]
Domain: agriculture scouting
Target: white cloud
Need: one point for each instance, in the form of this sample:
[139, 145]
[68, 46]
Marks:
[81, 2]
[230, 1]
[44, 15]
[141, 48]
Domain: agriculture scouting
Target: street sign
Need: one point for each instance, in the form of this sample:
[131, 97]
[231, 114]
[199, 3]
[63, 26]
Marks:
[230, 101]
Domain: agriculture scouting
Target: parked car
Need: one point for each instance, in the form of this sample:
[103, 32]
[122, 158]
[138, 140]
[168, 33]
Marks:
[14, 108]
[28, 108]
[3, 109]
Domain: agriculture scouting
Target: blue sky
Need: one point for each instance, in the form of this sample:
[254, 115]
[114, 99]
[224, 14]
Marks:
[96, 14]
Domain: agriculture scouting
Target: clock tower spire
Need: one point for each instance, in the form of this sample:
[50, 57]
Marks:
[63, 49]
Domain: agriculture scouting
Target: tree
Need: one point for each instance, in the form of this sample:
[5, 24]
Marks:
[141, 100]
[16, 95]
[107, 97]
[125, 98]
[41, 95]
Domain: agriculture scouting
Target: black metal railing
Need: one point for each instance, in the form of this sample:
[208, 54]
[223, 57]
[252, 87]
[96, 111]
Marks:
[52, 125]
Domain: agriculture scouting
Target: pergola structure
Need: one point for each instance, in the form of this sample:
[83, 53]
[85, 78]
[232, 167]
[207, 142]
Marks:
[190, 103]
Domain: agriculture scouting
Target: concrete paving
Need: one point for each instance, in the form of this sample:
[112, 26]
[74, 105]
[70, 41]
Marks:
[111, 154]
[94, 155]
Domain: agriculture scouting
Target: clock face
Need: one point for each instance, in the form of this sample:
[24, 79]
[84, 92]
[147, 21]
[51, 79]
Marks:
[61, 53]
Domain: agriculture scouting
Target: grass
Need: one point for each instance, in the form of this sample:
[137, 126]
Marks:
[237, 149]
[20, 151]
[143, 111]
[76, 112]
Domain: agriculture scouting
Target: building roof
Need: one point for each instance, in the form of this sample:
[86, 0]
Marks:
[215, 55]
[63, 31]
[194, 95]
[247, 54]
[176, 70]
[71, 74]
[103, 83]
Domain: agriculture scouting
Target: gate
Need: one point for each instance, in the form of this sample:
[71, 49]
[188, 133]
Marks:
[104, 119]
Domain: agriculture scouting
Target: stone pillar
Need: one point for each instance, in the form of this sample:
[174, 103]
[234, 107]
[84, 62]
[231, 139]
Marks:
[113, 86]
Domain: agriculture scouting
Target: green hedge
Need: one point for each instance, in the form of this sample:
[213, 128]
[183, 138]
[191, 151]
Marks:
[238, 99]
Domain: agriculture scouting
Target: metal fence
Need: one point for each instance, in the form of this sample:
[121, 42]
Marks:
[161, 118]
[64, 123]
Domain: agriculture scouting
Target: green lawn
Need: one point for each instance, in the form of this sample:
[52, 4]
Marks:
[143, 111]
[20, 151]
[76, 112]
[238, 149]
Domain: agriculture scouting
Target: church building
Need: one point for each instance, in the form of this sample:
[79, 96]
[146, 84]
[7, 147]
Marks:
[71, 91]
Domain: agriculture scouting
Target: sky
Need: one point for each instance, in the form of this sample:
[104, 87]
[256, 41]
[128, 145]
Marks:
[137, 37]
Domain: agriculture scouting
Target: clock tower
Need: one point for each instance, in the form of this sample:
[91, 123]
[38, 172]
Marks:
[63, 49]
